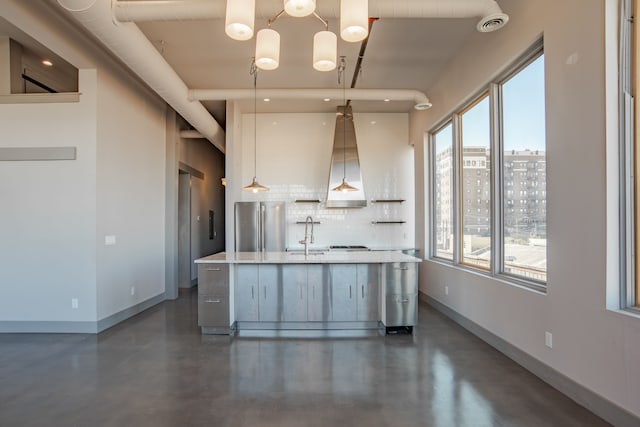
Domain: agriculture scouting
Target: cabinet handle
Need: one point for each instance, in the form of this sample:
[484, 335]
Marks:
[401, 268]
[404, 301]
[212, 300]
[252, 296]
[265, 292]
[313, 291]
[349, 291]
[362, 291]
[213, 269]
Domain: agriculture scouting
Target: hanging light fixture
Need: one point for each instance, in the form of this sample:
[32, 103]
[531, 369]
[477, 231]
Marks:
[239, 19]
[267, 49]
[255, 186]
[354, 20]
[299, 8]
[344, 187]
[325, 48]
[239, 25]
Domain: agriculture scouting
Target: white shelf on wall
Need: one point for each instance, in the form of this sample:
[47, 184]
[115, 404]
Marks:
[388, 222]
[387, 200]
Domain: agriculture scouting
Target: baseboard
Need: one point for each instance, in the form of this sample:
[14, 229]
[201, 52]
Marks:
[47, 327]
[120, 316]
[597, 404]
[67, 327]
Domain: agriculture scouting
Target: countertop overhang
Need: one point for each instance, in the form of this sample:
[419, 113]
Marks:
[330, 257]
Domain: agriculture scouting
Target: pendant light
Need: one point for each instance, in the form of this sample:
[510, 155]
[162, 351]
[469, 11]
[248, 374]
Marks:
[255, 186]
[239, 19]
[344, 187]
[325, 47]
[267, 49]
[299, 8]
[354, 20]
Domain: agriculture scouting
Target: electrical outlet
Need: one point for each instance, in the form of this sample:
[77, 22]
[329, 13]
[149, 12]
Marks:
[548, 339]
[109, 240]
[446, 290]
[133, 290]
[74, 302]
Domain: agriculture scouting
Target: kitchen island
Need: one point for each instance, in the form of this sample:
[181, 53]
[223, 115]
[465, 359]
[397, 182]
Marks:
[322, 293]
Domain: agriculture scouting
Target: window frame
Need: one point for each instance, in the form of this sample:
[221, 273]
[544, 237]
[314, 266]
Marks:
[492, 90]
[433, 243]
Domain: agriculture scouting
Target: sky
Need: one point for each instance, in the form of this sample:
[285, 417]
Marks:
[523, 114]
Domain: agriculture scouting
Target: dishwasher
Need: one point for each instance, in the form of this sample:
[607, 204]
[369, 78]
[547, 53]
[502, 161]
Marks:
[400, 297]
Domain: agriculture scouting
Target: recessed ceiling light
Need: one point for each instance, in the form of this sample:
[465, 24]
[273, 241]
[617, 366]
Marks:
[373, 122]
[266, 99]
[327, 99]
[47, 63]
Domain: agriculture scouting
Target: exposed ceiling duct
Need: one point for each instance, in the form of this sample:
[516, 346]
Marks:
[129, 44]
[419, 99]
[489, 12]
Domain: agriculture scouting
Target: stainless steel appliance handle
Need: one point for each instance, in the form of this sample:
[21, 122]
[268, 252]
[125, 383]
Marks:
[262, 241]
[212, 300]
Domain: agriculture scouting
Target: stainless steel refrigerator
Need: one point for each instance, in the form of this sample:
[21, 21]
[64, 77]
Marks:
[261, 226]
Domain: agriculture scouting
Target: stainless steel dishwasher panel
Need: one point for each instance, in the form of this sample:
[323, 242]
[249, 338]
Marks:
[400, 278]
[400, 295]
[402, 310]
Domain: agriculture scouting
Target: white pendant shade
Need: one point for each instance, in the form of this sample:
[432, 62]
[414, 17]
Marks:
[325, 48]
[354, 20]
[239, 19]
[299, 8]
[267, 49]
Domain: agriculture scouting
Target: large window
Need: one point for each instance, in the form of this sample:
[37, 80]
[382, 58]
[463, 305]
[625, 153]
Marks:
[499, 181]
[524, 182]
[443, 187]
[475, 125]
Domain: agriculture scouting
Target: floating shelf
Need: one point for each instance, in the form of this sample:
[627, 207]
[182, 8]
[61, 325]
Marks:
[304, 222]
[307, 201]
[387, 200]
[388, 222]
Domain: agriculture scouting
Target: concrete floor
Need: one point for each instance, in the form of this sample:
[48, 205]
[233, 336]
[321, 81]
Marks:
[157, 370]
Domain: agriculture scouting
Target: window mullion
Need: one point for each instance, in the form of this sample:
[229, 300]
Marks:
[457, 193]
[497, 232]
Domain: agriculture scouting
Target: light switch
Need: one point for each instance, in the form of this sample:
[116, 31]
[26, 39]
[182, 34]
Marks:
[109, 240]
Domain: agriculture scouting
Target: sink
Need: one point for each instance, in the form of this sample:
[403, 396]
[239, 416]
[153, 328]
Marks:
[311, 252]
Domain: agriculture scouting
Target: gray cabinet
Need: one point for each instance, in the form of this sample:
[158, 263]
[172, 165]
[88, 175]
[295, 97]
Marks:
[318, 295]
[269, 297]
[343, 292]
[400, 294]
[247, 293]
[294, 293]
[258, 293]
[368, 290]
[213, 298]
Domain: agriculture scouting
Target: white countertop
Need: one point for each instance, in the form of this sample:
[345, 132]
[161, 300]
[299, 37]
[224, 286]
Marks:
[329, 257]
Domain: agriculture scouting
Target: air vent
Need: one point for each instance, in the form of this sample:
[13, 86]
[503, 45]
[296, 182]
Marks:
[492, 22]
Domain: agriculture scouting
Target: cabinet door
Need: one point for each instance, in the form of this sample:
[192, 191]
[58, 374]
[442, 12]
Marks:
[270, 295]
[318, 295]
[368, 277]
[294, 292]
[343, 292]
[247, 293]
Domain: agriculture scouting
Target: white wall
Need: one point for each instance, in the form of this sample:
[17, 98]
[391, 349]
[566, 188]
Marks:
[48, 214]
[130, 192]
[294, 155]
[598, 349]
[55, 215]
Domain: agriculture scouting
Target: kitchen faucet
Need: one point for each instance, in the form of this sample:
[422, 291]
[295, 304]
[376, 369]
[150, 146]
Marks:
[307, 238]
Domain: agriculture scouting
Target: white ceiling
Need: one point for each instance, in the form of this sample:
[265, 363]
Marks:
[401, 54]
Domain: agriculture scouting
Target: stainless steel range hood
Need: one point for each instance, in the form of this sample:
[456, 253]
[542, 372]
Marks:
[345, 164]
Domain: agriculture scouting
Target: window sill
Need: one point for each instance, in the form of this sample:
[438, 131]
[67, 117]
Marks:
[502, 278]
